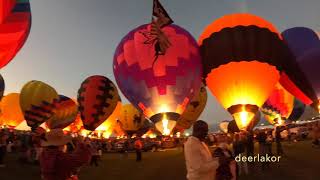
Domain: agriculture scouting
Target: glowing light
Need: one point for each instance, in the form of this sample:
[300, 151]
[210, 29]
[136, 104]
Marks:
[107, 134]
[152, 136]
[99, 134]
[164, 108]
[243, 118]
[165, 123]
[178, 134]
[84, 133]
[187, 134]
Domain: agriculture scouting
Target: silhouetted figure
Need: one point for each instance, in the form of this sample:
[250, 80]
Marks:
[138, 146]
[278, 141]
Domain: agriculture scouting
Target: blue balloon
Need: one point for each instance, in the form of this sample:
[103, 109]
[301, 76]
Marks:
[300, 40]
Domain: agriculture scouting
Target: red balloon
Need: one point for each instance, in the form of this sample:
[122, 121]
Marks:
[15, 24]
[97, 99]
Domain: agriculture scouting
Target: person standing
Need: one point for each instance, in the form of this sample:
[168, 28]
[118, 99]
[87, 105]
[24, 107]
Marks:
[95, 154]
[239, 149]
[199, 161]
[3, 148]
[262, 138]
[269, 141]
[227, 169]
[250, 143]
[315, 135]
[57, 165]
[138, 146]
[278, 141]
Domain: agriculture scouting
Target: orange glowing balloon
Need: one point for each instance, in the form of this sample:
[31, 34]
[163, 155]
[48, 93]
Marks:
[11, 113]
[241, 55]
[108, 125]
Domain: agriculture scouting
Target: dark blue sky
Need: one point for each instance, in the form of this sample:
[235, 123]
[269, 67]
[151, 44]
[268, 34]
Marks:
[72, 39]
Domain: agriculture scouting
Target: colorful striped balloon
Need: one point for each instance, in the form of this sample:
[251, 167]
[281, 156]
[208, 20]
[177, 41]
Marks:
[97, 99]
[37, 102]
[158, 85]
[15, 24]
[66, 111]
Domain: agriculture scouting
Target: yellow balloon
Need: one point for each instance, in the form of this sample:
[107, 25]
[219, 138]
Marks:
[194, 109]
[109, 124]
[130, 118]
[11, 113]
[37, 102]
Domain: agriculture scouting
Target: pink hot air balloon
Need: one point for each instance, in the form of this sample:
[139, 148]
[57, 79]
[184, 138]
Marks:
[161, 85]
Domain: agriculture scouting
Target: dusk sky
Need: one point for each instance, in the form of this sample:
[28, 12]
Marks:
[73, 39]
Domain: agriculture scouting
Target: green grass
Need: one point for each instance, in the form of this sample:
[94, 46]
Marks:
[302, 162]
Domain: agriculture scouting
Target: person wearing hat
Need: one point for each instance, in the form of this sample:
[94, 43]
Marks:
[199, 161]
[57, 165]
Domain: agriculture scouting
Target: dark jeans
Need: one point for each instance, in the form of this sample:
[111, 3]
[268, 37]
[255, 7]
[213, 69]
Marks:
[279, 148]
[2, 154]
[139, 155]
[94, 160]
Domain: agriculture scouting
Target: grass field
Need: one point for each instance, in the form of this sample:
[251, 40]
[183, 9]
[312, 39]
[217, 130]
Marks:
[302, 163]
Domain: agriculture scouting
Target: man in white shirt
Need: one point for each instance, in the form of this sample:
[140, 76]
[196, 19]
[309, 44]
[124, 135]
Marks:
[199, 161]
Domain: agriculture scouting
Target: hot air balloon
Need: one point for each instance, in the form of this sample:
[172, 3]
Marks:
[2, 86]
[273, 116]
[224, 126]
[278, 106]
[97, 99]
[304, 82]
[193, 110]
[233, 126]
[75, 126]
[65, 113]
[108, 125]
[160, 85]
[11, 113]
[37, 102]
[298, 110]
[131, 120]
[15, 24]
[241, 55]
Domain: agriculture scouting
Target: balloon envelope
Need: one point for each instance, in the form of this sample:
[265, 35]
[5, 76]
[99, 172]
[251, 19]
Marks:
[65, 113]
[158, 84]
[305, 45]
[281, 101]
[11, 113]
[298, 110]
[2, 86]
[194, 109]
[97, 99]
[37, 102]
[109, 124]
[224, 126]
[242, 55]
[15, 24]
[131, 119]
